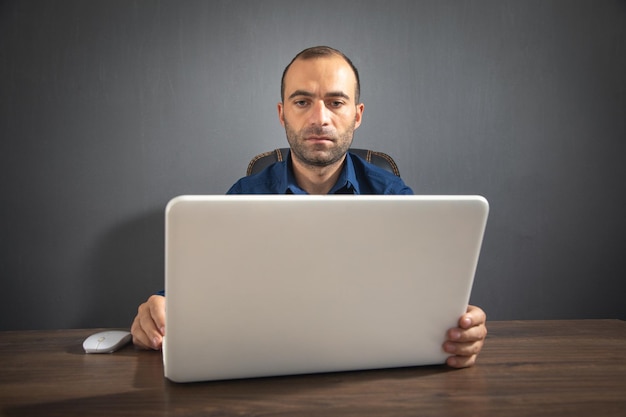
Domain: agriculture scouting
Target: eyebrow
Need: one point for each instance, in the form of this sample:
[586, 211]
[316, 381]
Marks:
[327, 95]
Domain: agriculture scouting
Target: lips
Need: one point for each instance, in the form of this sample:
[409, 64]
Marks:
[319, 139]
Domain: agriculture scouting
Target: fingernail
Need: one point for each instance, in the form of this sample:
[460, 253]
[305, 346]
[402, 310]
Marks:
[162, 330]
[452, 361]
[450, 347]
[455, 335]
[155, 343]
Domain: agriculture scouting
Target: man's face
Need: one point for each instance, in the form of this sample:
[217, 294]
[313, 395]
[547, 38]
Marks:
[319, 111]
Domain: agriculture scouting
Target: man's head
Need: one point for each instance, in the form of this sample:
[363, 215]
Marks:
[320, 106]
[321, 52]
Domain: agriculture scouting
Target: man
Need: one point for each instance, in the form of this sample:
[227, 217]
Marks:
[320, 110]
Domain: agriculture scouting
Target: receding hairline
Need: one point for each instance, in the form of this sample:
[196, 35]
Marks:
[321, 52]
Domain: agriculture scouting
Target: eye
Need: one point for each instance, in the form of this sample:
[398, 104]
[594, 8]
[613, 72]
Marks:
[300, 103]
[336, 103]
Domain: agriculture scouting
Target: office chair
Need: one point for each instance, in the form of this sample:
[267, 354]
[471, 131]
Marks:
[265, 159]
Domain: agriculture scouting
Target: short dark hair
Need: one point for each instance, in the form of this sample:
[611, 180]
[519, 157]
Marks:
[317, 52]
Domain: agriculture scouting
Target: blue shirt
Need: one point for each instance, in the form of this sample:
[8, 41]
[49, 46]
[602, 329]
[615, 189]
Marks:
[357, 177]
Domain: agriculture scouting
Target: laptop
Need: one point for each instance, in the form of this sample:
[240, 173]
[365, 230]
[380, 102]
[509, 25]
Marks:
[267, 285]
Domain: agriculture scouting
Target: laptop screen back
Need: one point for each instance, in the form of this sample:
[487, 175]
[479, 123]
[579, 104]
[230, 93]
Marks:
[275, 285]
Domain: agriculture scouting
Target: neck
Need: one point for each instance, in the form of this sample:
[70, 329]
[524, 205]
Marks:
[315, 179]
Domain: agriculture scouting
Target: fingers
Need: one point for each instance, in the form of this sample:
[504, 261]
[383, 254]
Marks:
[466, 341]
[464, 353]
[473, 316]
[461, 361]
[148, 327]
[140, 338]
[472, 334]
[157, 312]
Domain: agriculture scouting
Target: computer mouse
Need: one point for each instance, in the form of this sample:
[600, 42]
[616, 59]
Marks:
[106, 342]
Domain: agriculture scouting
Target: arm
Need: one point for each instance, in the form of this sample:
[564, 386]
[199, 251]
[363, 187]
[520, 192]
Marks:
[148, 327]
[466, 341]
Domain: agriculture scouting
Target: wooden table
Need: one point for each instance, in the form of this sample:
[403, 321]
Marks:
[527, 368]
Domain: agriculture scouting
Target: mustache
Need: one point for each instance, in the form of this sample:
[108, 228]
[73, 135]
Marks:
[319, 131]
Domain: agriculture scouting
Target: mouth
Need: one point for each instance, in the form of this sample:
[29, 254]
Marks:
[319, 139]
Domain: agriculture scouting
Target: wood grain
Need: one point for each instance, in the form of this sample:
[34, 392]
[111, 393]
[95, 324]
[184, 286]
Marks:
[569, 368]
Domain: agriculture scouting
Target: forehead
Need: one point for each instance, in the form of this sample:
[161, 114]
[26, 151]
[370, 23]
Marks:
[320, 75]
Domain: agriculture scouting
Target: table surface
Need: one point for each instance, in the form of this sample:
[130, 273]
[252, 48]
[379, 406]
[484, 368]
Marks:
[568, 368]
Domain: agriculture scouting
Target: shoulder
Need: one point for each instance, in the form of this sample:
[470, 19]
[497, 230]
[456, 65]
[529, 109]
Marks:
[268, 181]
[375, 180]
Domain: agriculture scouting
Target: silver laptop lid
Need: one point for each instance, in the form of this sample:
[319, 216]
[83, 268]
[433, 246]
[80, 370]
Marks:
[274, 285]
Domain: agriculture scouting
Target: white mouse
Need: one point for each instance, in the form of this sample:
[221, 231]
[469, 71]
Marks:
[106, 342]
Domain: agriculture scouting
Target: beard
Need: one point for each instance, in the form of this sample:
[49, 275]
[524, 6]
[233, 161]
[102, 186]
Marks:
[323, 154]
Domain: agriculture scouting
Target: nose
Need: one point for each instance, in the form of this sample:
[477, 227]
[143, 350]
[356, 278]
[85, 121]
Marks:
[320, 114]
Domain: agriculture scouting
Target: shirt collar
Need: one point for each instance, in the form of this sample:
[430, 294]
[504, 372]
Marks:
[346, 183]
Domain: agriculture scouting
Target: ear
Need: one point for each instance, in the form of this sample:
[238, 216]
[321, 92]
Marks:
[281, 116]
[359, 115]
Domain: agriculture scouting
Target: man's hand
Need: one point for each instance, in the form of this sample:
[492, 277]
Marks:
[466, 341]
[148, 327]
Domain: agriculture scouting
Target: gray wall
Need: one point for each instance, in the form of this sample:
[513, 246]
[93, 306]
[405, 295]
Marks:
[110, 108]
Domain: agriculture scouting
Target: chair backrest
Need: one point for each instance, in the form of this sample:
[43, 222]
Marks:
[265, 159]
